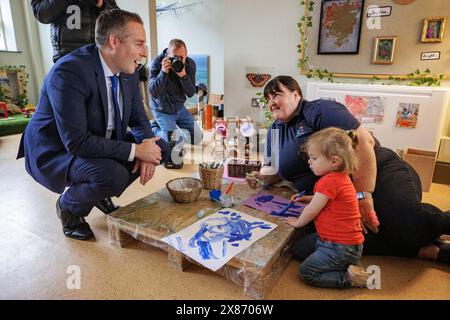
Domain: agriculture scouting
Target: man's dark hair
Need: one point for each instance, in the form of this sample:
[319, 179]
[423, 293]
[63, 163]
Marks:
[113, 21]
[274, 86]
[177, 43]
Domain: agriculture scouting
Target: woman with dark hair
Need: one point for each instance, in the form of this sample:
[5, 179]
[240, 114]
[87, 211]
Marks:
[385, 183]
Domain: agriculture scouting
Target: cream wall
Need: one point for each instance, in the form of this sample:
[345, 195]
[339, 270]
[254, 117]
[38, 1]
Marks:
[202, 27]
[258, 33]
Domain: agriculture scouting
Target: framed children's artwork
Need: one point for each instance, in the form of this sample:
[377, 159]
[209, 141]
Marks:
[407, 114]
[384, 50]
[433, 29]
[340, 26]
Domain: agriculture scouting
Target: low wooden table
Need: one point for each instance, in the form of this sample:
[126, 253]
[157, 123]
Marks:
[152, 218]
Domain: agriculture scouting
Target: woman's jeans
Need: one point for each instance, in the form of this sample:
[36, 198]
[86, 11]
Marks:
[325, 263]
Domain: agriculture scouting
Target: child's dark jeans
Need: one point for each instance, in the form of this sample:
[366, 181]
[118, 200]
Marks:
[325, 263]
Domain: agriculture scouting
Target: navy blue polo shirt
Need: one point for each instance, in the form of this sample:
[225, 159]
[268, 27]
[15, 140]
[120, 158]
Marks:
[310, 117]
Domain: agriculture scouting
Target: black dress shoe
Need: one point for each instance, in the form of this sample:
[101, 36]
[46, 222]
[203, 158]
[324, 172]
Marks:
[73, 226]
[106, 206]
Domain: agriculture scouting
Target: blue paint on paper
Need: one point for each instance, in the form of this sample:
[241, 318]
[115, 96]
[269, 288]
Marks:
[226, 229]
[224, 248]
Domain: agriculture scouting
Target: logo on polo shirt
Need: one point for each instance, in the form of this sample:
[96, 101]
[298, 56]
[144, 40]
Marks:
[300, 130]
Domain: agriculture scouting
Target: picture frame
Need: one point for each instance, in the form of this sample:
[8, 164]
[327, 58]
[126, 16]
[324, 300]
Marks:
[333, 39]
[433, 29]
[384, 50]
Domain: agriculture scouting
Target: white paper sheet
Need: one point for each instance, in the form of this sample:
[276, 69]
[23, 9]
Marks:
[217, 238]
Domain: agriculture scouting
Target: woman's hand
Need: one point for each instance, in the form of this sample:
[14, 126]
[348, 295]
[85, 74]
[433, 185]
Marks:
[368, 214]
[254, 176]
[251, 181]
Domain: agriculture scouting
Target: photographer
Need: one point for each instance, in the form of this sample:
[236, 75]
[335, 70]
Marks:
[172, 78]
[66, 34]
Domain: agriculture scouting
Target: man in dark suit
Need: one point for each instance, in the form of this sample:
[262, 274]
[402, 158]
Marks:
[78, 136]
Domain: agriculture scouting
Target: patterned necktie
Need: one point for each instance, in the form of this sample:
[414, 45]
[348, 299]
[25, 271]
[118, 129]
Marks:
[118, 118]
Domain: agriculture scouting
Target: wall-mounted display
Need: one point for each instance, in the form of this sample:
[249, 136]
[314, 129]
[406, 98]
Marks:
[366, 109]
[376, 11]
[433, 55]
[384, 50]
[407, 114]
[340, 26]
[258, 79]
[433, 29]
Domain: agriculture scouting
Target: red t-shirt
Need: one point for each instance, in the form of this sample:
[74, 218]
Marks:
[339, 221]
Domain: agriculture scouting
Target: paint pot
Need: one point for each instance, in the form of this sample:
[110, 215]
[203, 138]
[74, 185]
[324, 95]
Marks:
[200, 214]
[215, 195]
[227, 201]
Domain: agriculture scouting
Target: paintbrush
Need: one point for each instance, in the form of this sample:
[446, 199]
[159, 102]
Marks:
[290, 204]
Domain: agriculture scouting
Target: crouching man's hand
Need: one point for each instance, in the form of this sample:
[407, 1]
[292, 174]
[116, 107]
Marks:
[149, 151]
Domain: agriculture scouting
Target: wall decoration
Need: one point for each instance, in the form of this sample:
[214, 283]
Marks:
[258, 76]
[403, 72]
[375, 11]
[201, 76]
[258, 79]
[340, 26]
[217, 238]
[433, 29]
[366, 109]
[407, 114]
[433, 55]
[403, 1]
[384, 50]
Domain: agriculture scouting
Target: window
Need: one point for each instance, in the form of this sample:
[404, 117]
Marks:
[7, 37]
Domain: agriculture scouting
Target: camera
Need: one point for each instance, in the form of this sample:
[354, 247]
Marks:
[175, 150]
[177, 63]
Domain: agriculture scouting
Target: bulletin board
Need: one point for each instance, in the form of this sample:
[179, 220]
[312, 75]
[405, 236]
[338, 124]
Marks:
[405, 22]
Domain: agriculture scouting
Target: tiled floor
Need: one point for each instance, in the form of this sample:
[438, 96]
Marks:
[35, 257]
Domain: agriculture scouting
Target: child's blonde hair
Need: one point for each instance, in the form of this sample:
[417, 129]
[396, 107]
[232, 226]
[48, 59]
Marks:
[336, 142]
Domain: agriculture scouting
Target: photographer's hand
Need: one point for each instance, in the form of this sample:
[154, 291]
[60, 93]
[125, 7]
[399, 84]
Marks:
[166, 64]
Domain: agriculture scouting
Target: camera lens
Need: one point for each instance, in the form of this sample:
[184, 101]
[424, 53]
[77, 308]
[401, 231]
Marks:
[177, 64]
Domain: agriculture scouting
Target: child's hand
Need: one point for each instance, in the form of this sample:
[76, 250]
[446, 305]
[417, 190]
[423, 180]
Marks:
[304, 199]
[294, 222]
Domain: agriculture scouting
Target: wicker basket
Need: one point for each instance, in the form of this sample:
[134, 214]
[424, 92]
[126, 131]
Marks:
[237, 169]
[184, 190]
[211, 178]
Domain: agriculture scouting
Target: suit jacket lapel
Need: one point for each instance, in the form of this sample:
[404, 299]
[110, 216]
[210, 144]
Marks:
[101, 82]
